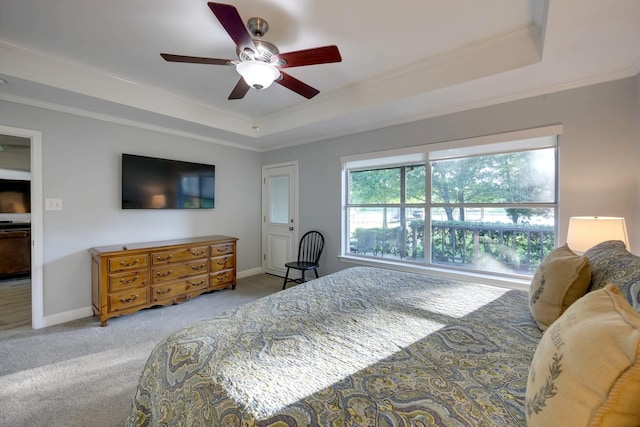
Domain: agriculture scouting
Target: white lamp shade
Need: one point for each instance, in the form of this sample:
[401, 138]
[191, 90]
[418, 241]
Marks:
[257, 74]
[587, 231]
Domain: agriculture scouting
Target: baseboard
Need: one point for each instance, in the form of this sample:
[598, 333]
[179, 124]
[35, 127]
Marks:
[250, 272]
[67, 316]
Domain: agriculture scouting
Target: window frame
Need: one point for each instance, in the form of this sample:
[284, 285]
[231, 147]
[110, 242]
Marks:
[524, 140]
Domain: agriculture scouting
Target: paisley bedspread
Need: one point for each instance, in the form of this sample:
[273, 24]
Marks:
[360, 347]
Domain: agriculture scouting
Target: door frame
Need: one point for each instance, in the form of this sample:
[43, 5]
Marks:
[265, 207]
[37, 234]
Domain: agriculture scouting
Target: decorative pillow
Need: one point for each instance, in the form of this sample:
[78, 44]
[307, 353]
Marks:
[586, 369]
[611, 262]
[561, 278]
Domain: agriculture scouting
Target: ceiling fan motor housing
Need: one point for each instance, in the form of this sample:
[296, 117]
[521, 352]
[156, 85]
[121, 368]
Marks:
[264, 52]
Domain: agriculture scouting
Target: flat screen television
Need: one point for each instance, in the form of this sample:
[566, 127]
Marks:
[15, 196]
[152, 183]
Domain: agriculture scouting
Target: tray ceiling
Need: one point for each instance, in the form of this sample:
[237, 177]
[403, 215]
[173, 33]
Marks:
[402, 61]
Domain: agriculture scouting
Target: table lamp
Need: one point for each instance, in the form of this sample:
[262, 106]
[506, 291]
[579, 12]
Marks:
[587, 231]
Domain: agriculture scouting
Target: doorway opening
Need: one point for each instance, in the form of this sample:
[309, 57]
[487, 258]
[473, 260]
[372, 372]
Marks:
[22, 227]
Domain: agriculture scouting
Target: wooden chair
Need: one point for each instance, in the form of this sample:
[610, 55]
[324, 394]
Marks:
[309, 252]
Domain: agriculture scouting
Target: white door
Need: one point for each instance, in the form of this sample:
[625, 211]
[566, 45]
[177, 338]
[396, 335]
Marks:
[279, 217]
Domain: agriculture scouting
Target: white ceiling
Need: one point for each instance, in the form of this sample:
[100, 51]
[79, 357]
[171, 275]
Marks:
[402, 61]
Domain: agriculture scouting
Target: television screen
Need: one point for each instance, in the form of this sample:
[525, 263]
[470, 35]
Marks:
[151, 183]
[15, 196]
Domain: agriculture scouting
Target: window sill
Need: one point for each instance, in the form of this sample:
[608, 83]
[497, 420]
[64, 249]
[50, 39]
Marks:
[487, 279]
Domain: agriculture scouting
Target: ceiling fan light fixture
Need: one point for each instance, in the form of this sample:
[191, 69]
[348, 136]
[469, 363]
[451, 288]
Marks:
[257, 74]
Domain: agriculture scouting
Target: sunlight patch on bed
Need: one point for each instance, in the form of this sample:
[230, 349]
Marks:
[281, 367]
[471, 299]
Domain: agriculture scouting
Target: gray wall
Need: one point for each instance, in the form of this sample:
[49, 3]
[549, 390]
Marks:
[599, 174]
[81, 165]
[599, 155]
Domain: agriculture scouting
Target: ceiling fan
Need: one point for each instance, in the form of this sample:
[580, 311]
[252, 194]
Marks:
[259, 62]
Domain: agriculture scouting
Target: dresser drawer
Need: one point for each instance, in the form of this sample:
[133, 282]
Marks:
[132, 298]
[123, 263]
[176, 271]
[180, 287]
[179, 255]
[222, 279]
[222, 249]
[221, 263]
[130, 279]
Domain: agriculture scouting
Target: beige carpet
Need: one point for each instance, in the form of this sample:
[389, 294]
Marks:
[79, 374]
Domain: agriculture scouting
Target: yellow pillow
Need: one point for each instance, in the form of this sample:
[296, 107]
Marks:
[561, 278]
[586, 369]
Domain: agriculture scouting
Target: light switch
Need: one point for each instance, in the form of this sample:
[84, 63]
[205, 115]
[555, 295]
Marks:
[53, 204]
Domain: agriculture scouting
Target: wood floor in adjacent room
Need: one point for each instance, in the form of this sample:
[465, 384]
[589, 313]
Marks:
[15, 303]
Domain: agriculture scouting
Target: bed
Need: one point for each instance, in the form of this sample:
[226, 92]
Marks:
[360, 347]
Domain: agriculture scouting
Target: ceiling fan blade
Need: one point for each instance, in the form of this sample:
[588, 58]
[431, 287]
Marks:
[318, 55]
[297, 86]
[240, 90]
[196, 59]
[230, 19]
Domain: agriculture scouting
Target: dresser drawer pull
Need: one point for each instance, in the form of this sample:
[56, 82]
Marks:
[198, 267]
[223, 249]
[221, 262]
[133, 298]
[167, 258]
[161, 292]
[168, 273]
[200, 283]
[221, 278]
[129, 264]
[197, 253]
[130, 280]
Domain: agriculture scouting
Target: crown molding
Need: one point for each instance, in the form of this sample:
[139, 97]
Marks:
[118, 120]
[483, 58]
[43, 68]
[487, 102]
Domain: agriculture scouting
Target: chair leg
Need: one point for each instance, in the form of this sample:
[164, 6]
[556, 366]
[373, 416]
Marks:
[286, 279]
[316, 271]
[303, 278]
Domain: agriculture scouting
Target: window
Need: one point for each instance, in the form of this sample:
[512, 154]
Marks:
[489, 207]
[386, 208]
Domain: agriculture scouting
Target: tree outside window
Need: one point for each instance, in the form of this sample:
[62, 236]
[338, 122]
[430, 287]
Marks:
[490, 212]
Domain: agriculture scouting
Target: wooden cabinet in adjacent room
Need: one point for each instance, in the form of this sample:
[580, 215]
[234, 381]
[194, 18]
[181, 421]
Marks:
[128, 278]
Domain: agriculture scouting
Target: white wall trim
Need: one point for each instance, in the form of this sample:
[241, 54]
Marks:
[487, 279]
[353, 161]
[37, 222]
[118, 120]
[487, 102]
[250, 272]
[67, 316]
[51, 70]
[80, 313]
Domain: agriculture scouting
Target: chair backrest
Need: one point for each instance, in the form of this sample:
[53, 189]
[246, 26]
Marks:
[311, 246]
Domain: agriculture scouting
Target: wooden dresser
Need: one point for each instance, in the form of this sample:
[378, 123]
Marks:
[128, 278]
